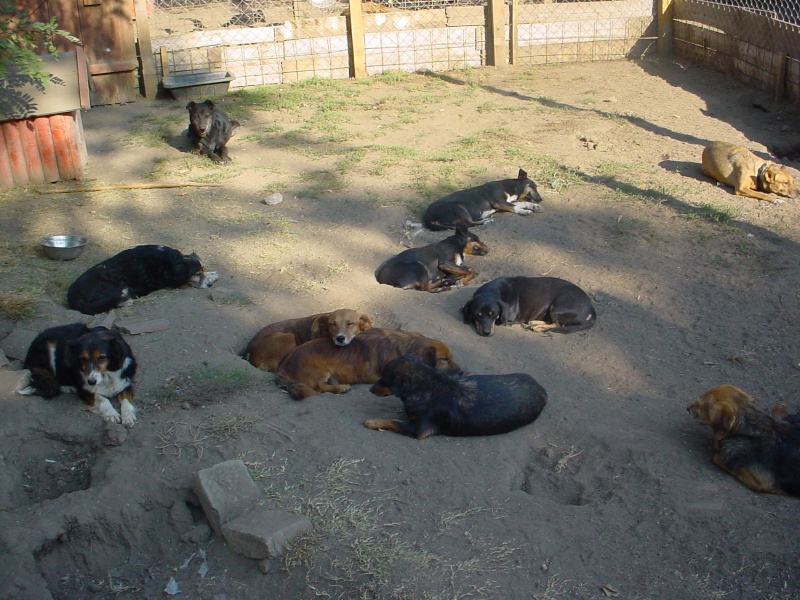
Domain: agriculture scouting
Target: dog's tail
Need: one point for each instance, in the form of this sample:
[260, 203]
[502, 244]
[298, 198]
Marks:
[577, 326]
[297, 390]
[41, 383]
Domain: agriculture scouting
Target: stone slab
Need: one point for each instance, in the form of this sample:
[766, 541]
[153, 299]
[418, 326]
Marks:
[225, 491]
[16, 344]
[263, 532]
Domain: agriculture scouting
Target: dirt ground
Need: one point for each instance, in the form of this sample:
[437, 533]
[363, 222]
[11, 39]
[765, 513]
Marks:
[612, 486]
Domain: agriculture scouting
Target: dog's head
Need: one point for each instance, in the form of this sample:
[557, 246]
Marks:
[484, 312]
[97, 353]
[470, 243]
[526, 188]
[341, 326]
[399, 376]
[196, 276]
[720, 408]
[776, 179]
[200, 116]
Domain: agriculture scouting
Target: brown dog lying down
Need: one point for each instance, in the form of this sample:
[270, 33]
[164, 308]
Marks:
[436, 403]
[274, 341]
[761, 451]
[308, 369]
[746, 173]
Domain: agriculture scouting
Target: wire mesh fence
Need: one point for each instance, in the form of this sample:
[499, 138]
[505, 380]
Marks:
[272, 41]
[756, 41]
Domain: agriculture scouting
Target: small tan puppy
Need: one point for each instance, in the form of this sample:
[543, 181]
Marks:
[749, 175]
[274, 341]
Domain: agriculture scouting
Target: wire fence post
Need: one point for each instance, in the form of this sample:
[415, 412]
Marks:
[496, 47]
[355, 38]
[664, 27]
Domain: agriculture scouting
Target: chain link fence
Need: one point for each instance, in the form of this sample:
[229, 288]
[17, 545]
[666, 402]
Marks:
[273, 41]
[756, 41]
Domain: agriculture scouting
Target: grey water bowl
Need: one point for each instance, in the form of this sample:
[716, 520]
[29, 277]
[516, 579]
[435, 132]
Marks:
[63, 247]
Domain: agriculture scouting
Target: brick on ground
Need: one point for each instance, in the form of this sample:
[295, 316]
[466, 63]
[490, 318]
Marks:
[262, 532]
[16, 344]
[11, 381]
[225, 491]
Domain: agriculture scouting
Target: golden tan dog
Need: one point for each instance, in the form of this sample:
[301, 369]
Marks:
[749, 175]
[308, 369]
[274, 341]
[761, 451]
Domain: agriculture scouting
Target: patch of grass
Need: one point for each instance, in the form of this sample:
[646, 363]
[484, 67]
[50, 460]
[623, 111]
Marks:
[208, 385]
[159, 169]
[544, 170]
[613, 168]
[16, 305]
[350, 159]
[219, 174]
[486, 107]
[320, 183]
[179, 437]
[392, 77]
[150, 131]
[719, 212]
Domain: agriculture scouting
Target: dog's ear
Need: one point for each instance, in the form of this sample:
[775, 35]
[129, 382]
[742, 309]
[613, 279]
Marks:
[209, 103]
[522, 175]
[116, 354]
[364, 323]
[465, 311]
[462, 232]
[430, 356]
[319, 328]
[721, 417]
[191, 105]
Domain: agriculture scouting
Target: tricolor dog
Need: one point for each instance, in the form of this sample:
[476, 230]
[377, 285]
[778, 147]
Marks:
[95, 363]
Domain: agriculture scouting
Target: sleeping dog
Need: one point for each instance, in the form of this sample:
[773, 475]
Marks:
[309, 369]
[436, 403]
[436, 267]
[562, 306]
[96, 363]
[134, 273]
[474, 206]
[274, 341]
[759, 450]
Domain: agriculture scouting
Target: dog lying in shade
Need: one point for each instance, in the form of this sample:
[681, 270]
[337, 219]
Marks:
[761, 451]
[436, 403]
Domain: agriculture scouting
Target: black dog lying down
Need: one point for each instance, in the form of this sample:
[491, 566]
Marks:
[95, 363]
[474, 206]
[561, 305]
[436, 267]
[134, 273]
[210, 130]
[436, 403]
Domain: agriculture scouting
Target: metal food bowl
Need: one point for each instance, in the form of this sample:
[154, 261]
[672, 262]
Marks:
[63, 247]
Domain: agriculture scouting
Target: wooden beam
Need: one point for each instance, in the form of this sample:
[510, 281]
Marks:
[355, 36]
[148, 61]
[496, 50]
[513, 55]
[664, 17]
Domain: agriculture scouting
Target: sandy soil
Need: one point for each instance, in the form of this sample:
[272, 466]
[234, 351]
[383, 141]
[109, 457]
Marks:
[611, 486]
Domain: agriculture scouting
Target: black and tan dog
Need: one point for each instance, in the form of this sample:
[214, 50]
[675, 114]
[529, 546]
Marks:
[749, 175]
[319, 366]
[475, 206]
[471, 405]
[95, 363]
[559, 305]
[436, 267]
[275, 340]
[134, 273]
[759, 450]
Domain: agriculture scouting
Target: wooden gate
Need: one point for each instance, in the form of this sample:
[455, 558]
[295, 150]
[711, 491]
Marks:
[106, 28]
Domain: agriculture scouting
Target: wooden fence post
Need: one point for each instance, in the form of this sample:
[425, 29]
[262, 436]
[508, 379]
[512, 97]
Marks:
[355, 35]
[664, 27]
[149, 78]
[496, 48]
[513, 42]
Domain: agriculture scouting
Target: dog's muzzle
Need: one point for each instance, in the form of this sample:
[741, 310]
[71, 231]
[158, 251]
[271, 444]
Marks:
[341, 340]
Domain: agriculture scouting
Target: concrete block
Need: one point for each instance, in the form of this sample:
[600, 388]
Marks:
[103, 320]
[139, 326]
[11, 381]
[3, 360]
[262, 532]
[16, 344]
[225, 491]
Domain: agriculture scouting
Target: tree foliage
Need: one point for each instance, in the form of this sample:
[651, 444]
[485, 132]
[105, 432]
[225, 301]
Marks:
[22, 40]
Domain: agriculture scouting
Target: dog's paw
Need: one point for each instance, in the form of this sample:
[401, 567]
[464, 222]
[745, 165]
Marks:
[779, 201]
[128, 413]
[208, 279]
[104, 408]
